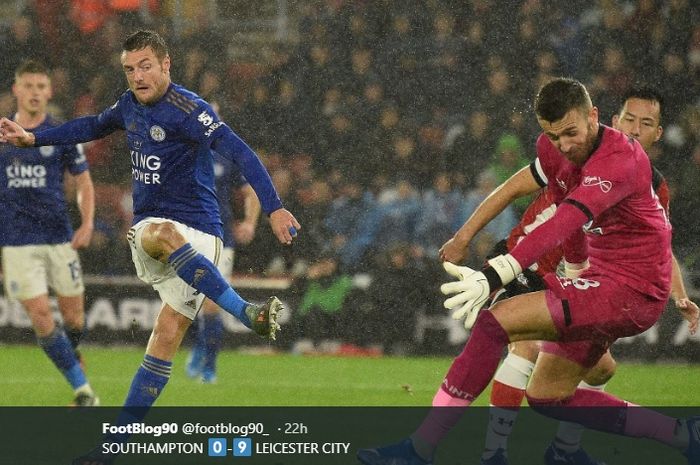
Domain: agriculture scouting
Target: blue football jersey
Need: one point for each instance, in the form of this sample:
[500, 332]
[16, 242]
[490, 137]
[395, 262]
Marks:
[228, 178]
[170, 147]
[32, 196]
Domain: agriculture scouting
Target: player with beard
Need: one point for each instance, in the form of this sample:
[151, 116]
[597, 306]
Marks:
[639, 117]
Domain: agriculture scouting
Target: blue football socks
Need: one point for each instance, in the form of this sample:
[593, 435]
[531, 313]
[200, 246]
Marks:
[148, 383]
[200, 273]
[150, 379]
[60, 351]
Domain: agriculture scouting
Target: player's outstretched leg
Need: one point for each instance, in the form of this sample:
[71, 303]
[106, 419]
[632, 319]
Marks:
[200, 273]
[613, 415]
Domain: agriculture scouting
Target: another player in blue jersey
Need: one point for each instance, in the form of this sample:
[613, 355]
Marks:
[176, 236]
[39, 247]
[231, 186]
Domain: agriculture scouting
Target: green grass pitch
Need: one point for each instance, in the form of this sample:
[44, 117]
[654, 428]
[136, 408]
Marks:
[28, 378]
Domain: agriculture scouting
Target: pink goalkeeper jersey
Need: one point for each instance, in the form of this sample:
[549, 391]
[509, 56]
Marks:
[629, 235]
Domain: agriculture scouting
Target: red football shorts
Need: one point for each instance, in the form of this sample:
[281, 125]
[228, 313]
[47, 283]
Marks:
[591, 312]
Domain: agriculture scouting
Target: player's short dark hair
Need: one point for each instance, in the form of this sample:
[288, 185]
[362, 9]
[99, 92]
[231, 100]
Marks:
[31, 67]
[645, 92]
[559, 96]
[144, 38]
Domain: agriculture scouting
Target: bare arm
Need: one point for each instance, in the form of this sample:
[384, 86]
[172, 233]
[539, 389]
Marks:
[520, 184]
[86, 204]
[244, 231]
[687, 307]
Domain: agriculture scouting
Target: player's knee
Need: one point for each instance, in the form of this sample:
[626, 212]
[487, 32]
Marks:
[528, 350]
[160, 240]
[602, 372]
[42, 321]
[501, 306]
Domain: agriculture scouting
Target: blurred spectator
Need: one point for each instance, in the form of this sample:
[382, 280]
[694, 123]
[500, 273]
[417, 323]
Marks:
[89, 15]
[684, 212]
[346, 212]
[21, 43]
[509, 159]
[469, 149]
[440, 208]
[496, 230]
[398, 292]
[392, 219]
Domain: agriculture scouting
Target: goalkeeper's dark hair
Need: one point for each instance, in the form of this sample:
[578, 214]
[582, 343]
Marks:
[145, 38]
[31, 67]
[559, 96]
[645, 92]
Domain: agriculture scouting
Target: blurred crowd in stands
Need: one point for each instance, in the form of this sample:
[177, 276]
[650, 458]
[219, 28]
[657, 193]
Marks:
[385, 122]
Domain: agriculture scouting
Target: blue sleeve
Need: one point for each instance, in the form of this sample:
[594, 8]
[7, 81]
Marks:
[83, 129]
[74, 159]
[205, 127]
[229, 145]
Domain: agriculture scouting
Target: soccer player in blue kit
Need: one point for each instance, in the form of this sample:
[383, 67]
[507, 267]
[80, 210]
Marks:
[39, 247]
[176, 236]
[231, 187]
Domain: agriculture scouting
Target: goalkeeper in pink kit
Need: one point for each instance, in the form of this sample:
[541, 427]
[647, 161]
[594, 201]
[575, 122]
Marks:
[609, 215]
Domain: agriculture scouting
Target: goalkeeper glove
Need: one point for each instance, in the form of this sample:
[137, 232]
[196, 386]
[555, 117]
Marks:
[474, 287]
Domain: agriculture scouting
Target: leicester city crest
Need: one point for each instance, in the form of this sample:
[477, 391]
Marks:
[157, 133]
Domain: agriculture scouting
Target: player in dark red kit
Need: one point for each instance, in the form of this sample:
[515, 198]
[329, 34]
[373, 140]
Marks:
[602, 181]
[639, 117]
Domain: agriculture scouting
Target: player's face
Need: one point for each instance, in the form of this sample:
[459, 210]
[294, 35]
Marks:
[147, 76]
[33, 92]
[640, 119]
[573, 135]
